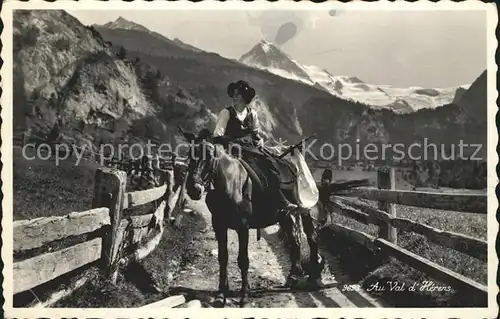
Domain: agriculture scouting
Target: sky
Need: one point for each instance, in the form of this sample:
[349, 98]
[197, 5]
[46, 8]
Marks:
[398, 48]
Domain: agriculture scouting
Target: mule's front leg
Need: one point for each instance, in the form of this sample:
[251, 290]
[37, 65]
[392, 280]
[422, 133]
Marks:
[221, 236]
[243, 263]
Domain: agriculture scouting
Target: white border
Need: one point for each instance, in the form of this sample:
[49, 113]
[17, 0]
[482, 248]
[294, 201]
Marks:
[6, 148]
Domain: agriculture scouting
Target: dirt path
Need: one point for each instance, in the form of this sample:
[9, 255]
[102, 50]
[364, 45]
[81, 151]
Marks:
[269, 265]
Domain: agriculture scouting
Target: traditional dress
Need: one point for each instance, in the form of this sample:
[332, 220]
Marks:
[239, 125]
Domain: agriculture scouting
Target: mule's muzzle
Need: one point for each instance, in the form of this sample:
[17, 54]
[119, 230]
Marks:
[195, 191]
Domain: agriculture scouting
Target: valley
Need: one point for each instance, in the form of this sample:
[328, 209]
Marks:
[191, 83]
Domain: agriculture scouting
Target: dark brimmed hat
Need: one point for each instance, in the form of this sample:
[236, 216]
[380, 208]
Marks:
[245, 90]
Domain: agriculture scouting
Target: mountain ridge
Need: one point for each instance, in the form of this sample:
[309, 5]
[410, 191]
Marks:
[276, 92]
[267, 56]
[121, 23]
[174, 85]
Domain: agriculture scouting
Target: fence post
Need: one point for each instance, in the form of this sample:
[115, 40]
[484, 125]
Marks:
[168, 177]
[24, 139]
[109, 191]
[386, 180]
[157, 159]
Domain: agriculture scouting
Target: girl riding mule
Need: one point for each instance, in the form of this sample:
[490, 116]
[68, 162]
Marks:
[236, 202]
[238, 124]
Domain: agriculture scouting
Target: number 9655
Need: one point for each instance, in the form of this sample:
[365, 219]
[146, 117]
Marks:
[351, 287]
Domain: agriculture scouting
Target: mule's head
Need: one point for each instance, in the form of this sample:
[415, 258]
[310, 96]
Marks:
[201, 163]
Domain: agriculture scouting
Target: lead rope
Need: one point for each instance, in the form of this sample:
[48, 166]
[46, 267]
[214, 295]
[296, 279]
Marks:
[214, 165]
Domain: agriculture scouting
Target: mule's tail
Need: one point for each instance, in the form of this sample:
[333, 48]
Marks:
[258, 234]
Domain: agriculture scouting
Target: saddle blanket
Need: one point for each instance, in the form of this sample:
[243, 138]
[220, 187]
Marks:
[295, 176]
[305, 188]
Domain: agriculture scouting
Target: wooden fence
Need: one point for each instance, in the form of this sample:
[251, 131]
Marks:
[132, 166]
[385, 217]
[129, 165]
[113, 239]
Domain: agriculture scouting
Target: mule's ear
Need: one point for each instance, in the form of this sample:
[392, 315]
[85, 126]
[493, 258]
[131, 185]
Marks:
[188, 136]
[180, 129]
[205, 134]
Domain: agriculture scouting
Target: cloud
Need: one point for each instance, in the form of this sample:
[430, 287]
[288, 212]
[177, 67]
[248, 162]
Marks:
[278, 26]
[285, 32]
[334, 12]
[281, 26]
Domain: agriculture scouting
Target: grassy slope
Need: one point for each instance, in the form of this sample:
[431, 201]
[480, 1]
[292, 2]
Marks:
[474, 225]
[135, 285]
[43, 189]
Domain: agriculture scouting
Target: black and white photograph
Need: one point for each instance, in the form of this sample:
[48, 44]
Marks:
[165, 156]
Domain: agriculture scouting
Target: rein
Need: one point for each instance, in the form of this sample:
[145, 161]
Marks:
[213, 165]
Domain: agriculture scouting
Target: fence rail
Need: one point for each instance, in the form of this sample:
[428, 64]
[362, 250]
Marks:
[125, 164]
[138, 198]
[471, 246]
[34, 233]
[467, 203]
[114, 241]
[386, 218]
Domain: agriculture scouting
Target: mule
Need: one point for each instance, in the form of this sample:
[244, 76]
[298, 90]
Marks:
[237, 202]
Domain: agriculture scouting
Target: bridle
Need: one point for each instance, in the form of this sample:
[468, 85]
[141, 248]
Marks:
[211, 166]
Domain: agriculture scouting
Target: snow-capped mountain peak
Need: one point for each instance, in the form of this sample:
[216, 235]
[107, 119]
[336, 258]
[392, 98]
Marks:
[267, 46]
[267, 56]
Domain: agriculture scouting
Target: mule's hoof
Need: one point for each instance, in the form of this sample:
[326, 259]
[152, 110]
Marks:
[315, 283]
[245, 304]
[291, 281]
[302, 283]
[219, 302]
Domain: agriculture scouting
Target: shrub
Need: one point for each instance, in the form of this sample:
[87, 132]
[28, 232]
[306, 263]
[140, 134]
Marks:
[120, 125]
[62, 44]
[181, 94]
[95, 33]
[28, 38]
[122, 54]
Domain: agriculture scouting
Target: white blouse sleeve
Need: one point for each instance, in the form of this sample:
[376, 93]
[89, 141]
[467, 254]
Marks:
[220, 127]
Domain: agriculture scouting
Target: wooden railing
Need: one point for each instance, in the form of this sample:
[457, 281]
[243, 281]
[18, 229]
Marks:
[110, 239]
[385, 217]
[129, 165]
[33, 234]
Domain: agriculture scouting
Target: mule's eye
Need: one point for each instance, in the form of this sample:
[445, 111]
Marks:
[211, 150]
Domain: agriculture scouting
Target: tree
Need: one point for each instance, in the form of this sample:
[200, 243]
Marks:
[120, 126]
[180, 93]
[81, 125]
[54, 132]
[122, 54]
[151, 86]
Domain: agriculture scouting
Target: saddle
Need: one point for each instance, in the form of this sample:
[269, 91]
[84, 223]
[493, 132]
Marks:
[259, 174]
[294, 176]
